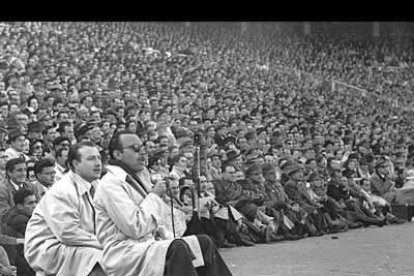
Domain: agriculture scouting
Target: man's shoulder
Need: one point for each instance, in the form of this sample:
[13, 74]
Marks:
[15, 216]
[63, 187]
[5, 185]
[114, 173]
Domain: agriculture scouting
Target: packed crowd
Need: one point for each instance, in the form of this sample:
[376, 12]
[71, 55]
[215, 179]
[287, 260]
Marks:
[249, 154]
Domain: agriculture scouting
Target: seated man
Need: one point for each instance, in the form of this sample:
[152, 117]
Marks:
[16, 220]
[381, 185]
[131, 222]
[229, 192]
[60, 236]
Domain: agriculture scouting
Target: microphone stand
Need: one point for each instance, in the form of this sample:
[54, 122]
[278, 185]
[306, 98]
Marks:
[167, 184]
[197, 184]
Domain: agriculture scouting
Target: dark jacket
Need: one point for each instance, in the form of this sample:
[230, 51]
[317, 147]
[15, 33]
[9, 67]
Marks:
[16, 220]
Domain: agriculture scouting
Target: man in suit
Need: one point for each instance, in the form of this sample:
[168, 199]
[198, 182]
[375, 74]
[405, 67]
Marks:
[296, 191]
[16, 173]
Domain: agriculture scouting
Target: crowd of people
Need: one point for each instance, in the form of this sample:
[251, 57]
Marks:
[210, 126]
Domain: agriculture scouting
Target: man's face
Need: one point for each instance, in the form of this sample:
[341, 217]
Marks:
[22, 119]
[257, 176]
[69, 132]
[96, 133]
[61, 160]
[106, 128]
[270, 176]
[297, 176]
[229, 174]
[18, 143]
[63, 144]
[4, 110]
[29, 205]
[51, 134]
[383, 169]
[182, 162]
[366, 186]
[4, 157]
[96, 117]
[132, 153]
[89, 166]
[63, 117]
[18, 174]
[216, 162]
[47, 175]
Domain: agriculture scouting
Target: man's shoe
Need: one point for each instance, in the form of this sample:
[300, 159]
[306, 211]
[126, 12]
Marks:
[291, 237]
[394, 220]
[247, 243]
[354, 225]
[227, 244]
[277, 238]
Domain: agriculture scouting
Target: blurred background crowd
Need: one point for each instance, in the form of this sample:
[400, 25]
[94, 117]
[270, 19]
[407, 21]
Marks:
[284, 135]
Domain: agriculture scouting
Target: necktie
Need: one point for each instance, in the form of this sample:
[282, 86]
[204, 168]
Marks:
[92, 191]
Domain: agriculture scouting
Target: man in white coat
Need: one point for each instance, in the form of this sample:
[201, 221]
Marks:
[131, 222]
[60, 236]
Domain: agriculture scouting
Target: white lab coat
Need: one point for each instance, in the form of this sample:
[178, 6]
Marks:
[60, 237]
[131, 225]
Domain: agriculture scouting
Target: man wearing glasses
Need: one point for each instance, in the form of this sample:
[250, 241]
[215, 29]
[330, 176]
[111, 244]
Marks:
[131, 222]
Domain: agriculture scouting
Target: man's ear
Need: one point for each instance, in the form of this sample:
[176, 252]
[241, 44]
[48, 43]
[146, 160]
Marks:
[117, 154]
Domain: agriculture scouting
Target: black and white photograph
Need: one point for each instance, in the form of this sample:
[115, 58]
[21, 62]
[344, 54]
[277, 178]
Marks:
[190, 148]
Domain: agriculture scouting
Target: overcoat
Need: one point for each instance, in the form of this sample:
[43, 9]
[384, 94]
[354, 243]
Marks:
[60, 236]
[132, 228]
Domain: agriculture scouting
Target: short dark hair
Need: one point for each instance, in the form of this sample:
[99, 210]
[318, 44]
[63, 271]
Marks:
[41, 164]
[177, 158]
[59, 140]
[12, 163]
[74, 152]
[21, 194]
[31, 98]
[115, 143]
[61, 112]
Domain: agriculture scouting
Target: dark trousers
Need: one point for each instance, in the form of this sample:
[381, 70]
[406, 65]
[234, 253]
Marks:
[179, 259]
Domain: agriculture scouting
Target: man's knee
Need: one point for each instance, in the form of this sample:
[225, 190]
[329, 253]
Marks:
[205, 242]
[178, 246]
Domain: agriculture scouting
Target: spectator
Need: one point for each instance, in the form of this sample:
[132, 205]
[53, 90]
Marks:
[124, 150]
[80, 243]
[16, 180]
[45, 175]
[16, 220]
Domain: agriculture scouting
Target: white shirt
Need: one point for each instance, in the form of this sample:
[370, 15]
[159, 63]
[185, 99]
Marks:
[16, 187]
